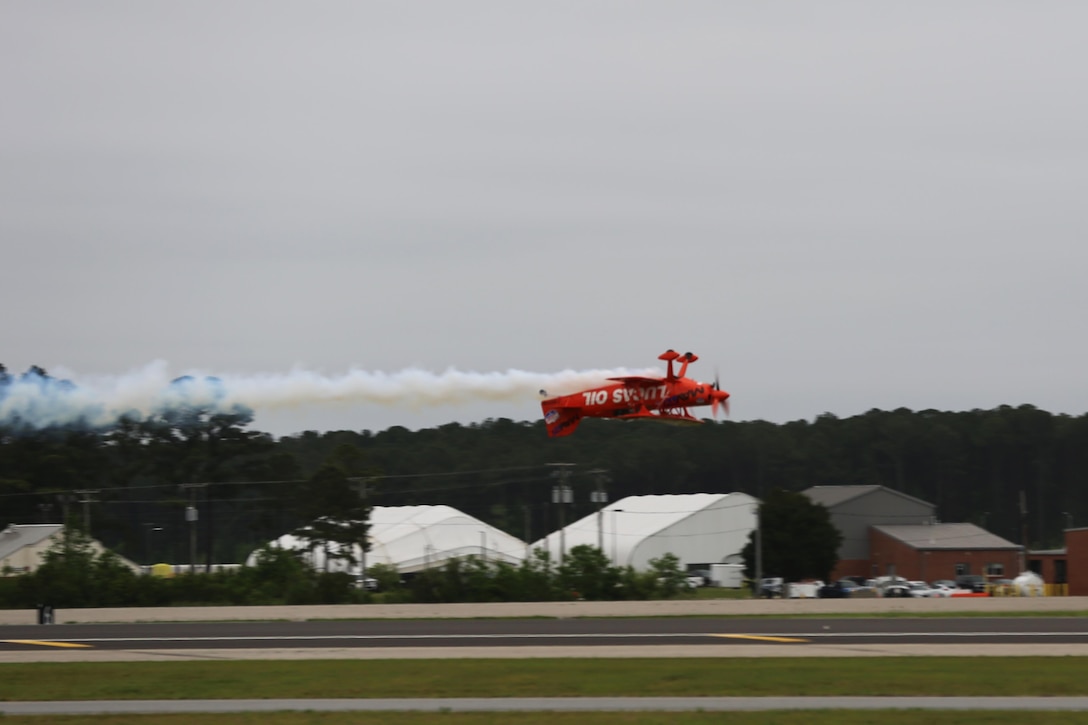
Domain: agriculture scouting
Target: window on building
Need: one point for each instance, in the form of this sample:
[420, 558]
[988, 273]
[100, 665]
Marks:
[995, 569]
[962, 568]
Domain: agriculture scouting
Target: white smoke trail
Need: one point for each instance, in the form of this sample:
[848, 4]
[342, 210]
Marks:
[35, 402]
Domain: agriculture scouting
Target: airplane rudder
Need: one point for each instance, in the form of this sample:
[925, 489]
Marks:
[560, 421]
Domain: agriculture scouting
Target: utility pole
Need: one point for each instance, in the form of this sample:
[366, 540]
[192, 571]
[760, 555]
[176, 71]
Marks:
[1023, 530]
[85, 498]
[759, 548]
[528, 529]
[562, 495]
[66, 500]
[360, 484]
[600, 497]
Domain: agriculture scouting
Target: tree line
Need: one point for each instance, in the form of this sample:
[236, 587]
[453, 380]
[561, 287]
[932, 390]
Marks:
[201, 484]
[73, 575]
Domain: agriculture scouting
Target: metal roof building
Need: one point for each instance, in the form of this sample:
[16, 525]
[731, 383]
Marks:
[23, 547]
[854, 509]
[699, 528]
[947, 536]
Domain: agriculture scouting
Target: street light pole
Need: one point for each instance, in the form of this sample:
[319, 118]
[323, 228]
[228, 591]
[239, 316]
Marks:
[192, 514]
[148, 530]
[562, 496]
[615, 549]
[600, 497]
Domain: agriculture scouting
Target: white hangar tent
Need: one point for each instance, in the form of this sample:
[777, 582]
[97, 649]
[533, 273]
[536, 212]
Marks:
[699, 528]
[414, 538]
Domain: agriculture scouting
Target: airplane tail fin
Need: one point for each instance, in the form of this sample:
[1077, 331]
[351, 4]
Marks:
[560, 420]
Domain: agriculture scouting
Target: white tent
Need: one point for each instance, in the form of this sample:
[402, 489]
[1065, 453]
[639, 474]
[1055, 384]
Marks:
[414, 538]
[699, 528]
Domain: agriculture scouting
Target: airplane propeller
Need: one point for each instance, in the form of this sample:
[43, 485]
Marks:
[718, 398]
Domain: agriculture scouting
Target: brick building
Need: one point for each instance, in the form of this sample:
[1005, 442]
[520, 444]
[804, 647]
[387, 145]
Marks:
[942, 551]
[1066, 567]
[888, 532]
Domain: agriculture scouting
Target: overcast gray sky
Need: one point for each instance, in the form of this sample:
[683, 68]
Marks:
[839, 205]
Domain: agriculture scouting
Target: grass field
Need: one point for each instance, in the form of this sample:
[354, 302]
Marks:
[796, 717]
[934, 676]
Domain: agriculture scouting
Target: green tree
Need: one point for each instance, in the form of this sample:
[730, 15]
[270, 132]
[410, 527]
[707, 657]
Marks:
[586, 573]
[73, 575]
[799, 540]
[337, 515]
[667, 574]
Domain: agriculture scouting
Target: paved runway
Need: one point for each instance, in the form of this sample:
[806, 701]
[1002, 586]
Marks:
[563, 610]
[569, 629]
[626, 637]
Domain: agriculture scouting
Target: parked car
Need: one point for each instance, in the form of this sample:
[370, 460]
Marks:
[944, 587]
[971, 582]
[701, 577]
[806, 589]
[837, 590]
[891, 586]
[861, 591]
[921, 589]
[897, 589]
[772, 587]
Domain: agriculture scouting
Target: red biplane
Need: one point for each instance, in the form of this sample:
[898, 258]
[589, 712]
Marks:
[636, 397]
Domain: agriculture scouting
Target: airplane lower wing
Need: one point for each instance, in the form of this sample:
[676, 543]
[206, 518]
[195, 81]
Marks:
[664, 417]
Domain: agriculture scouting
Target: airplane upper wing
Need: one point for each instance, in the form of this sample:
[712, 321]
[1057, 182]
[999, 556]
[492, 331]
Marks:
[638, 380]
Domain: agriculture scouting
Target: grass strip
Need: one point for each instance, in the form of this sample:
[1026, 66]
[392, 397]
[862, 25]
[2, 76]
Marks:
[764, 677]
[775, 717]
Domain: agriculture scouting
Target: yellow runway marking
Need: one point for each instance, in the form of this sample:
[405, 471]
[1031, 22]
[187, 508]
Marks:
[760, 637]
[44, 644]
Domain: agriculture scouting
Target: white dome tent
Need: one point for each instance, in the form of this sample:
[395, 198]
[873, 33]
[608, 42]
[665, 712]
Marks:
[698, 528]
[415, 538]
